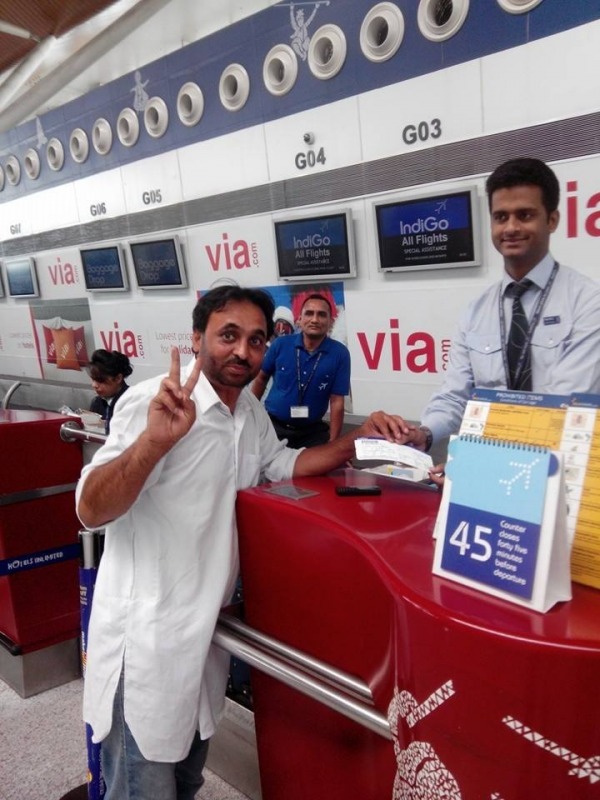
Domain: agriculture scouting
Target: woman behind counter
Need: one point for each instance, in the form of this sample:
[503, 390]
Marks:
[108, 372]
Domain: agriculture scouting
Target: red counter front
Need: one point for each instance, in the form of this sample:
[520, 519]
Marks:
[486, 700]
[39, 585]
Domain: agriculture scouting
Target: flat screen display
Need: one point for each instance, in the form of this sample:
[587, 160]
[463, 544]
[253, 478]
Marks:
[158, 264]
[21, 280]
[103, 269]
[315, 247]
[433, 232]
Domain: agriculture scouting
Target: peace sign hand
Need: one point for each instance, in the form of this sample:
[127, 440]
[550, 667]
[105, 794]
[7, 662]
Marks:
[172, 412]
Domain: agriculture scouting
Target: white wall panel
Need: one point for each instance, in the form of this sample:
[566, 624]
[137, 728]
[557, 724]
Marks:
[336, 142]
[152, 182]
[402, 118]
[231, 162]
[100, 196]
[547, 79]
[16, 219]
[53, 208]
[406, 398]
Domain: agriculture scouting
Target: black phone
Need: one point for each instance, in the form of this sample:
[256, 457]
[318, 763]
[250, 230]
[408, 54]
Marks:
[357, 491]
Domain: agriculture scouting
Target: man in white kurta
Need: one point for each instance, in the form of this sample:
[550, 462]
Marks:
[165, 485]
[169, 565]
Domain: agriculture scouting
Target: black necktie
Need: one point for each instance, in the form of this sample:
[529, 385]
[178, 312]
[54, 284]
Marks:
[516, 338]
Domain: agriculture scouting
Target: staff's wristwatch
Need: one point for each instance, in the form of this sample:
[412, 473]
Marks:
[428, 437]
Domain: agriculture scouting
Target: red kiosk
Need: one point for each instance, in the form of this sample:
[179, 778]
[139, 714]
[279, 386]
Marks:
[485, 700]
[39, 552]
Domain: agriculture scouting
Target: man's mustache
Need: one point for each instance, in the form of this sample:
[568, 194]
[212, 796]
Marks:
[239, 362]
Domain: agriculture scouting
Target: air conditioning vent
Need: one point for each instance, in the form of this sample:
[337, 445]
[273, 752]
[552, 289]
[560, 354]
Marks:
[381, 32]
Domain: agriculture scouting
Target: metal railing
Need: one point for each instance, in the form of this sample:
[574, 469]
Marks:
[73, 432]
[313, 678]
[11, 390]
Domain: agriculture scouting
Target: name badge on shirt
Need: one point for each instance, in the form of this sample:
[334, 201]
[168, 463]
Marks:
[552, 320]
[299, 412]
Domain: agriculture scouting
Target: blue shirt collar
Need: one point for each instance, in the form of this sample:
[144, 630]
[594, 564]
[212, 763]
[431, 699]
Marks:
[300, 343]
[540, 274]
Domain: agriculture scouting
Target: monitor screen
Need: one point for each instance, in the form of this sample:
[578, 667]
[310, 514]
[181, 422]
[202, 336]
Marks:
[103, 269]
[158, 264]
[433, 232]
[316, 247]
[21, 280]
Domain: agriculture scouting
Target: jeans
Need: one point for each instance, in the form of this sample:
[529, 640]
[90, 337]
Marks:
[129, 776]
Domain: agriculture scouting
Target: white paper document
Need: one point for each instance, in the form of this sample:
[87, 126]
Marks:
[368, 449]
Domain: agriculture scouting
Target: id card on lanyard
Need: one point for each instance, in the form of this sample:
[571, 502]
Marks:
[301, 411]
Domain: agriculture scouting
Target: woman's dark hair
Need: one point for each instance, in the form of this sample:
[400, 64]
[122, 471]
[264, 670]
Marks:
[216, 300]
[525, 172]
[105, 364]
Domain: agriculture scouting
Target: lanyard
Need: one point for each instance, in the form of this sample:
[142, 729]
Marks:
[537, 312]
[302, 387]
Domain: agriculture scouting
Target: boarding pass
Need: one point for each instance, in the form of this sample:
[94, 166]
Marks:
[372, 449]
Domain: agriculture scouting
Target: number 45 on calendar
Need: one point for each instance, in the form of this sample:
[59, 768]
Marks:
[480, 546]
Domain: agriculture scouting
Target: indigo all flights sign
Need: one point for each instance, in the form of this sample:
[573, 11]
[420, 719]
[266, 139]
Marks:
[433, 232]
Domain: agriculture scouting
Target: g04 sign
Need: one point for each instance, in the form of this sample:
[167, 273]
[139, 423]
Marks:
[310, 158]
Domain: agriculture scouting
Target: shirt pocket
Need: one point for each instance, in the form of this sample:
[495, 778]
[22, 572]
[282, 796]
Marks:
[548, 343]
[285, 378]
[485, 354]
[248, 471]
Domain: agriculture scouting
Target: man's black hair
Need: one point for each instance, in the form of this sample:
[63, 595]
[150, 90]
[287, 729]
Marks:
[216, 300]
[104, 364]
[525, 172]
[317, 296]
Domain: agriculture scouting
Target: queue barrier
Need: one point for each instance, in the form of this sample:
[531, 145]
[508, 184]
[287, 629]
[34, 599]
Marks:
[39, 603]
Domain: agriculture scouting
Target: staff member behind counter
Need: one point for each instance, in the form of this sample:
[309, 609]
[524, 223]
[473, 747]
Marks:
[165, 486]
[108, 372]
[311, 372]
[538, 329]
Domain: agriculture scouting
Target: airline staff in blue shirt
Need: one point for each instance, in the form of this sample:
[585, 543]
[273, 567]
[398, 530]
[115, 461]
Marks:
[311, 373]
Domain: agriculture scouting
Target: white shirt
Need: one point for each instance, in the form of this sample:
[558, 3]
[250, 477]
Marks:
[169, 565]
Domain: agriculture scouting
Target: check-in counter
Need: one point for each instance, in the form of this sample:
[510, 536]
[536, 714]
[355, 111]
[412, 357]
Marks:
[39, 552]
[481, 699]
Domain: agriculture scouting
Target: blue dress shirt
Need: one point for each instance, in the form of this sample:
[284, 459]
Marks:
[565, 348]
[326, 371]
